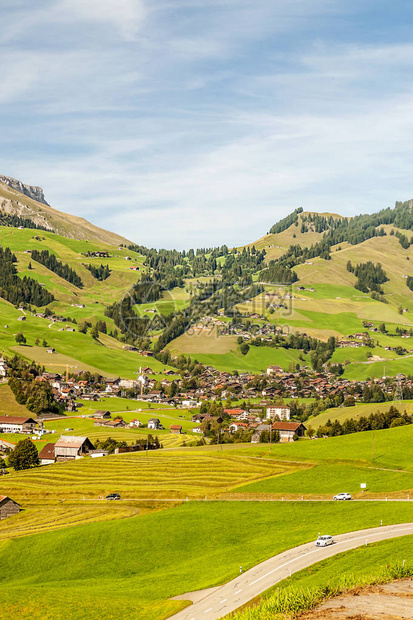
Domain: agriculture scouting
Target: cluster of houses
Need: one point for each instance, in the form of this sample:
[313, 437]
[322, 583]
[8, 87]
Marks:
[267, 419]
[211, 383]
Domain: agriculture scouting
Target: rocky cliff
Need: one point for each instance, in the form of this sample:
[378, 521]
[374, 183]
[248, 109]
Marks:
[32, 191]
[28, 201]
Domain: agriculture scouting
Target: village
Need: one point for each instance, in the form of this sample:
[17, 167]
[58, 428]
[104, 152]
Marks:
[263, 409]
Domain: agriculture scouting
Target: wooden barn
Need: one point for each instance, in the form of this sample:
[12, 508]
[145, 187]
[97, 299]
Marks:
[69, 447]
[8, 507]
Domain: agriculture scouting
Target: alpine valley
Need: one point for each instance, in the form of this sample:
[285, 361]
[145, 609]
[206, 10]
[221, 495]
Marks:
[221, 388]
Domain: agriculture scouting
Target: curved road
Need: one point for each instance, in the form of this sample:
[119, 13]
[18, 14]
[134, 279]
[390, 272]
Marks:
[222, 600]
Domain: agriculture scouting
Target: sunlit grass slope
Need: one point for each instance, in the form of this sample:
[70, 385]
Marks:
[130, 568]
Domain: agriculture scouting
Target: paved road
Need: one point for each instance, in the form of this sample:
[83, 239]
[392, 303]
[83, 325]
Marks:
[253, 582]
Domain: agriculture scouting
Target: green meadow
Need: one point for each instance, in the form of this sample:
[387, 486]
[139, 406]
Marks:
[131, 567]
[356, 412]
[392, 449]
[332, 479]
[77, 350]
[257, 359]
[388, 368]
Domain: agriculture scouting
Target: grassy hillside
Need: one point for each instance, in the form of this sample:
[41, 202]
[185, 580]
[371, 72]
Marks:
[15, 202]
[322, 480]
[8, 404]
[329, 306]
[364, 409]
[77, 350]
[391, 449]
[132, 568]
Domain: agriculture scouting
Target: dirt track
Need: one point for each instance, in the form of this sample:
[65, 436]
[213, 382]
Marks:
[393, 601]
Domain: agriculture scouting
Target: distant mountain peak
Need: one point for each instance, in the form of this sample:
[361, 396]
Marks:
[28, 202]
[32, 191]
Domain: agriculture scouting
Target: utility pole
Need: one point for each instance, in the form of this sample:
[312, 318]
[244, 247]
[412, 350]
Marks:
[372, 452]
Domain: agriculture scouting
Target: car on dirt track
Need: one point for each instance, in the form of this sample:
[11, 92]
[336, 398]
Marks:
[324, 541]
[113, 496]
[342, 496]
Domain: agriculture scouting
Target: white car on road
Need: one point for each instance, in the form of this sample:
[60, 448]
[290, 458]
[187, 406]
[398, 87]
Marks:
[342, 496]
[324, 541]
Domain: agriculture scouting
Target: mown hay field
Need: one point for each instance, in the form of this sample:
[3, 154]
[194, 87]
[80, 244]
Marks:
[50, 515]
[153, 474]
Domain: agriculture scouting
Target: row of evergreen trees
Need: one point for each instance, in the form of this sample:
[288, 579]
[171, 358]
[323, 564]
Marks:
[369, 276]
[16, 221]
[375, 421]
[61, 269]
[102, 272]
[278, 274]
[18, 290]
[286, 222]
[35, 395]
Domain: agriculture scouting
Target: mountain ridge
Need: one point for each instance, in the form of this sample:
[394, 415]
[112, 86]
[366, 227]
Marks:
[31, 191]
[15, 200]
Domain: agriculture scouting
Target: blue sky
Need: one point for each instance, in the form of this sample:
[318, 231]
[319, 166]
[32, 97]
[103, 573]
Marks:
[188, 123]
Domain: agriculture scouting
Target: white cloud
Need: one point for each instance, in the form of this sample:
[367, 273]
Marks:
[202, 127]
[124, 15]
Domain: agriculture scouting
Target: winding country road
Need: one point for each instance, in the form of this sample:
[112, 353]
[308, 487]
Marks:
[220, 601]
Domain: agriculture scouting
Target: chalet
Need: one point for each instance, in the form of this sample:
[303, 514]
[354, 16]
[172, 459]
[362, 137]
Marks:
[94, 396]
[176, 428]
[274, 370]
[8, 507]
[118, 423]
[287, 430]
[51, 350]
[21, 318]
[235, 413]
[197, 429]
[12, 424]
[71, 406]
[261, 428]
[3, 368]
[198, 417]
[236, 426]
[47, 455]
[189, 403]
[100, 414]
[50, 376]
[135, 423]
[155, 424]
[69, 447]
[282, 412]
